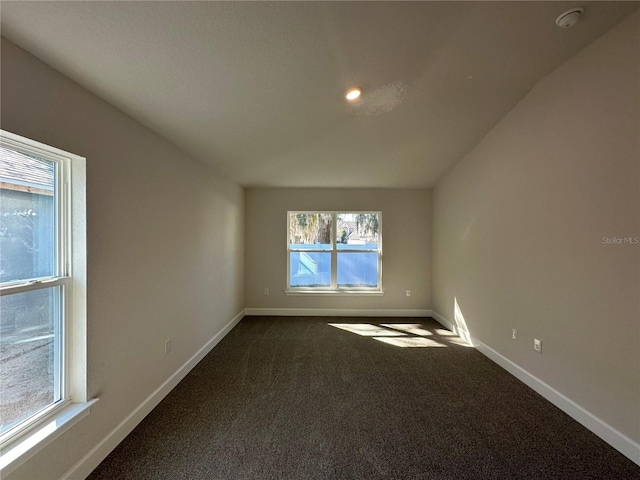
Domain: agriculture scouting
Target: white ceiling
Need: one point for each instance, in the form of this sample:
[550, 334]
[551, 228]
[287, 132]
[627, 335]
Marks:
[256, 88]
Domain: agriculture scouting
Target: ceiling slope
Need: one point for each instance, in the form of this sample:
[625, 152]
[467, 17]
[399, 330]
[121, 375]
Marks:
[255, 89]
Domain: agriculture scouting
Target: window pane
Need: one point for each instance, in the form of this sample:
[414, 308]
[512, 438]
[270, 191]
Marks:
[27, 217]
[310, 231]
[309, 269]
[29, 366]
[359, 231]
[357, 269]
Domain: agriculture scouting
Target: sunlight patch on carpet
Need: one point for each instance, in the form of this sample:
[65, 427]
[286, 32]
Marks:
[411, 342]
[366, 329]
[404, 335]
[412, 328]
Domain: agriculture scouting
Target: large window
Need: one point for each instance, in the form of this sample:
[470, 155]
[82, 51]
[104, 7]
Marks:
[334, 251]
[36, 283]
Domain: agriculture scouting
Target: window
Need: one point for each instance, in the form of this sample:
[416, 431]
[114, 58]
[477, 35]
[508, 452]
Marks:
[42, 252]
[334, 252]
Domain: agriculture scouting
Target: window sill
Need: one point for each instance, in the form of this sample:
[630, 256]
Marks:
[16, 453]
[337, 293]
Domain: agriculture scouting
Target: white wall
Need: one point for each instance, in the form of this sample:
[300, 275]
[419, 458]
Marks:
[165, 247]
[518, 228]
[406, 232]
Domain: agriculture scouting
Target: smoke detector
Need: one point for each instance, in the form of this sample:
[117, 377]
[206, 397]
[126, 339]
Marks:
[570, 17]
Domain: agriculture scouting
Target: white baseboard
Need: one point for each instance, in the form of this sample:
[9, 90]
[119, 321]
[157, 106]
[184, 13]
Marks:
[443, 321]
[336, 312]
[98, 453]
[625, 445]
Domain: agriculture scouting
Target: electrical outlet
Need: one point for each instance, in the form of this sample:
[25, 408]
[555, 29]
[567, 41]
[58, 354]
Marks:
[266, 291]
[537, 345]
[514, 334]
[408, 293]
[167, 346]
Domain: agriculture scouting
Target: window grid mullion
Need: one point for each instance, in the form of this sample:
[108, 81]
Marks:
[334, 255]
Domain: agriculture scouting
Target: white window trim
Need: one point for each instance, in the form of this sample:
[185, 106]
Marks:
[334, 289]
[342, 292]
[72, 275]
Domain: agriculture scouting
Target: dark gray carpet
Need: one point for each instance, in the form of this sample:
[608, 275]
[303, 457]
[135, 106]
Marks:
[294, 398]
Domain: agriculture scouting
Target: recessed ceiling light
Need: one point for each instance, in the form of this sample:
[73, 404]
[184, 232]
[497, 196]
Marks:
[353, 93]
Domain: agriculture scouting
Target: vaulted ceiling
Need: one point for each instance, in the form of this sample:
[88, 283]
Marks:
[256, 89]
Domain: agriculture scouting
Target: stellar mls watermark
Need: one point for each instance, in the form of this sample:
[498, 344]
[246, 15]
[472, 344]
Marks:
[620, 240]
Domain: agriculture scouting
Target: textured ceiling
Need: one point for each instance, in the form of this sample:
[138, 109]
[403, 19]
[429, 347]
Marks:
[256, 88]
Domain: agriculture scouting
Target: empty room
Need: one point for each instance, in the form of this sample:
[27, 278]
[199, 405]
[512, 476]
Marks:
[319, 240]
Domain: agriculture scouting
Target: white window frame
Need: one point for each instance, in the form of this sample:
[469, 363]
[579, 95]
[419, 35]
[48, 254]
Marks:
[26, 439]
[334, 288]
